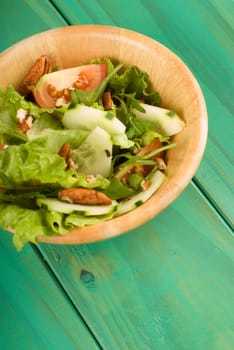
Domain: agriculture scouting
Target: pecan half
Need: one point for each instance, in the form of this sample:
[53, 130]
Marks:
[107, 100]
[84, 196]
[39, 68]
[65, 152]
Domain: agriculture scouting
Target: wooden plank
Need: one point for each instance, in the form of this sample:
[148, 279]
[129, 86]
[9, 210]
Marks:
[20, 19]
[166, 285]
[35, 313]
[201, 33]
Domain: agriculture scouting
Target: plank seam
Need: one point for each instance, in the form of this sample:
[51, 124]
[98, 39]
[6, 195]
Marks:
[60, 12]
[212, 204]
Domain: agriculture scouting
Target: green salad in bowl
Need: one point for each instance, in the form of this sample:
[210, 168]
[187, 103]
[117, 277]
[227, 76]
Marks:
[79, 146]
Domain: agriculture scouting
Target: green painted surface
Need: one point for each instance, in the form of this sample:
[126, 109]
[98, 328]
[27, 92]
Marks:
[34, 312]
[166, 285]
[22, 18]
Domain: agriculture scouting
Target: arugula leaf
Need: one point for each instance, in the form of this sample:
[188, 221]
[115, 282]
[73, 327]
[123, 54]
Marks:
[117, 190]
[137, 127]
[145, 158]
[17, 197]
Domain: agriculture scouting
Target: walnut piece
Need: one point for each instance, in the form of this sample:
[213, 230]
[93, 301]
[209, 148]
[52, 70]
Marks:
[84, 196]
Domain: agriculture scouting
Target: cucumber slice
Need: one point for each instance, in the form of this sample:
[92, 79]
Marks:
[94, 155]
[67, 208]
[122, 141]
[138, 199]
[166, 122]
[85, 117]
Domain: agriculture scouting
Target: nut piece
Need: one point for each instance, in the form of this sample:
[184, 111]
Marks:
[161, 164]
[145, 184]
[107, 100]
[2, 147]
[26, 124]
[39, 68]
[25, 120]
[84, 196]
[65, 152]
[144, 170]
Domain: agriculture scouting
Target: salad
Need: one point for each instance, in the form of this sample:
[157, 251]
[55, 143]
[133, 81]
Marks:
[79, 146]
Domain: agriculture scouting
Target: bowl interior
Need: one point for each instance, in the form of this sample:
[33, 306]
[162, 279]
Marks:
[179, 90]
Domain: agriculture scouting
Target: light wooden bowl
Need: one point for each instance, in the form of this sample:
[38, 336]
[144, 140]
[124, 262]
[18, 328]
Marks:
[179, 90]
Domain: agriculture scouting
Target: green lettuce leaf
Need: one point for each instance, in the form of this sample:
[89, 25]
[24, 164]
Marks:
[31, 162]
[133, 81]
[9, 131]
[45, 121]
[56, 138]
[10, 102]
[127, 90]
[28, 224]
[56, 222]
[91, 181]
[110, 65]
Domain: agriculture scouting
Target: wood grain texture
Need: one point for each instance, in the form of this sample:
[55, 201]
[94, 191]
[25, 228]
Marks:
[166, 285]
[35, 313]
[201, 33]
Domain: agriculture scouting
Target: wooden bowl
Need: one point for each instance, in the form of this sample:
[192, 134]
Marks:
[179, 90]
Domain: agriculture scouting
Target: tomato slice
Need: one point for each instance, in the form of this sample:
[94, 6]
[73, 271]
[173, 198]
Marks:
[55, 88]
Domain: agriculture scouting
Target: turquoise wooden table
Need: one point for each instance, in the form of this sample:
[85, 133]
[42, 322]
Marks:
[169, 283]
